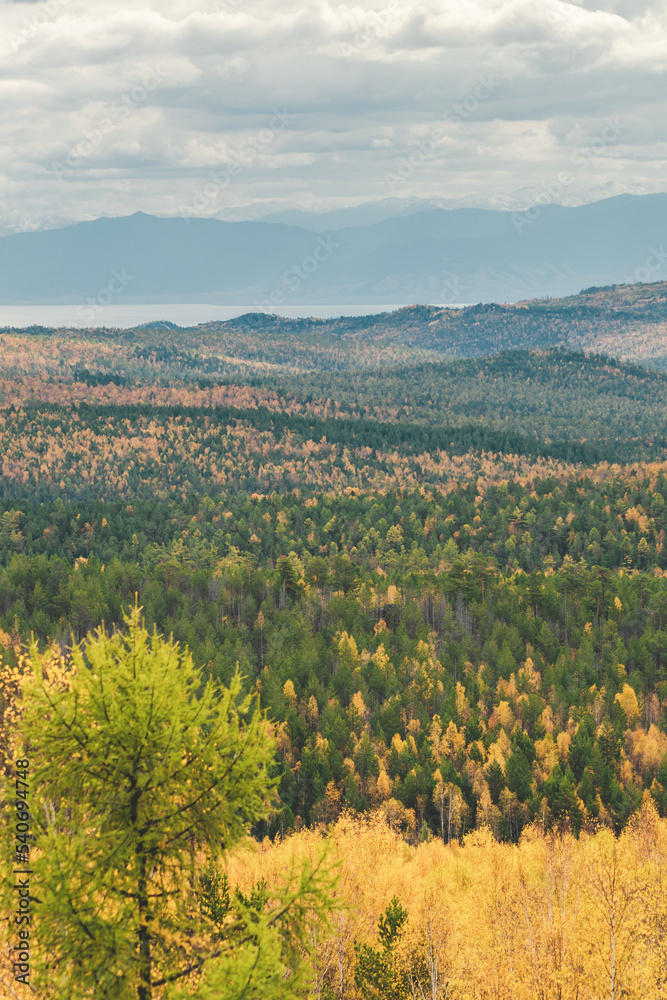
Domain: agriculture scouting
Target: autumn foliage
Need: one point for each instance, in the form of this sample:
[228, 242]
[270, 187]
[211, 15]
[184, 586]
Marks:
[552, 917]
[434, 543]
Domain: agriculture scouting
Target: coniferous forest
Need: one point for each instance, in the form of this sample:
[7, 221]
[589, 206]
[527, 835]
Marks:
[428, 553]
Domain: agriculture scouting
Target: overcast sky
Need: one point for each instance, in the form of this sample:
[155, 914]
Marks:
[170, 106]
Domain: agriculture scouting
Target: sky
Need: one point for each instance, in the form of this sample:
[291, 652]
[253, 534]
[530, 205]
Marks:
[200, 106]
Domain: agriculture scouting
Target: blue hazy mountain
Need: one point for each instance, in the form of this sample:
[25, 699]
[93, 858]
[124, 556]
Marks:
[432, 255]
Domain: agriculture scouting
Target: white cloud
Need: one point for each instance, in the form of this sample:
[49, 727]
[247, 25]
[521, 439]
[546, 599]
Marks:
[140, 102]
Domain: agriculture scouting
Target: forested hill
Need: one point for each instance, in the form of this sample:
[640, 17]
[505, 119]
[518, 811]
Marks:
[626, 321]
[543, 395]
[556, 405]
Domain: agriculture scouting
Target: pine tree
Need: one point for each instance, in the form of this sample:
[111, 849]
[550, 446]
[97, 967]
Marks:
[380, 974]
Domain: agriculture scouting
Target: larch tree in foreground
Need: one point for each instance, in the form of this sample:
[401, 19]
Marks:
[144, 777]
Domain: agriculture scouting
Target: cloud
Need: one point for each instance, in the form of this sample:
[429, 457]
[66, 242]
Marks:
[109, 108]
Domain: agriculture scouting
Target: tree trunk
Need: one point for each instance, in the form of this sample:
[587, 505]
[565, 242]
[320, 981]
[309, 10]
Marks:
[144, 991]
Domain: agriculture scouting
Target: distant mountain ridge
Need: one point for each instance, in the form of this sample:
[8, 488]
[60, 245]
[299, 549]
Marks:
[27, 222]
[431, 256]
[370, 212]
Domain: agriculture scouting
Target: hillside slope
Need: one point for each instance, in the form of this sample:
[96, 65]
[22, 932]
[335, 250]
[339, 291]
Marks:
[628, 322]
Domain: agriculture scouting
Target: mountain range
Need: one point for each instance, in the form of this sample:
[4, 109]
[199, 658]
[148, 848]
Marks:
[420, 255]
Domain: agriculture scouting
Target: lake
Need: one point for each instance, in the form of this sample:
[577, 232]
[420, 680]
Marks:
[182, 314]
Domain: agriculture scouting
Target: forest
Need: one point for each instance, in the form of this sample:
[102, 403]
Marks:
[441, 570]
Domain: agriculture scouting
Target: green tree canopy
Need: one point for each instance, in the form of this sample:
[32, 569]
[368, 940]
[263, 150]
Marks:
[144, 777]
